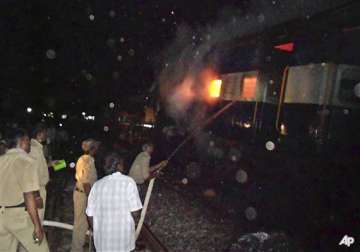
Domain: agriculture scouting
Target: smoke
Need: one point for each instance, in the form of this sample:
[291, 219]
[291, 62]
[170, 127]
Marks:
[193, 57]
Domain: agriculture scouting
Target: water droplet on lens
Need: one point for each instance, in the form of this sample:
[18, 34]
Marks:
[51, 54]
[250, 213]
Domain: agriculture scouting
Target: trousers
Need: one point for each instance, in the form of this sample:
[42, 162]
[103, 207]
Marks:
[16, 227]
[142, 188]
[41, 213]
[80, 222]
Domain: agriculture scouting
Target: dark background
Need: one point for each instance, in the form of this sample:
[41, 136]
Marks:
[30, 28]
[86, 74]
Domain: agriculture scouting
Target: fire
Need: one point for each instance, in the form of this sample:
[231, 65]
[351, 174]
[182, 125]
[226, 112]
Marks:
[210, 85]
[215, 88]
[201, 86]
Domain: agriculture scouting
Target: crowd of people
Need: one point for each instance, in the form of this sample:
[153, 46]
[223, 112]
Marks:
[106, 208]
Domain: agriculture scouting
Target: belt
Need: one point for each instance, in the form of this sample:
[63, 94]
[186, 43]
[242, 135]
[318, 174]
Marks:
[20, 205]
[79, 190]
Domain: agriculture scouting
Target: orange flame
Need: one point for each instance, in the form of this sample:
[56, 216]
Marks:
[211, 85]
[215, 88]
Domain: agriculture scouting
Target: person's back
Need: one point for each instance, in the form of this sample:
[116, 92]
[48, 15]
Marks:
[111, 202]
[17, 179]
[10, 175]
[140, 168]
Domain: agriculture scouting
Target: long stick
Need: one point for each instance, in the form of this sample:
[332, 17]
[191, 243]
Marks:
[144, 210]
[196, 129]
[179, 147]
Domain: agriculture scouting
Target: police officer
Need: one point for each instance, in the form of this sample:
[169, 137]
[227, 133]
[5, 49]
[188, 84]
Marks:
[37, 153]
[41, 166]
[86, 176]
[19, 219]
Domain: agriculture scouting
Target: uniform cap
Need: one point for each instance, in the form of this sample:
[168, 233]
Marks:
[89, 144]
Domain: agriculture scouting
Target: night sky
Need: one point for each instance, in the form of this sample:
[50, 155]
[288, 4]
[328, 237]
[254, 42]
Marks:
[76, 55]
[81, 55]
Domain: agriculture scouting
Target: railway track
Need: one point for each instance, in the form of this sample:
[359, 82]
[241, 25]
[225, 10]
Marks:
[151, 241]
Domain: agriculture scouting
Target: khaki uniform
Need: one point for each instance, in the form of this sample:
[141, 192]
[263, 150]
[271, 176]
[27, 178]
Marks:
[85, 173]
[17, 176]
[37, 153]
[140, 171]
[140, 168]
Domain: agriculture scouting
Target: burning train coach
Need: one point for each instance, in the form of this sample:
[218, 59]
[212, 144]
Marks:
[291, 132]
[314, 109]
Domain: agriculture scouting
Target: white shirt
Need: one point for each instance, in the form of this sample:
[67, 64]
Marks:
[110, 203]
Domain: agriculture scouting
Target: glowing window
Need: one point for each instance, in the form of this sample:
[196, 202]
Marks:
[249, 87]
[215, 88]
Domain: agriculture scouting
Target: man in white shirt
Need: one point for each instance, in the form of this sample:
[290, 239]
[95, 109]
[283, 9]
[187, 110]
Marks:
[112, 204]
